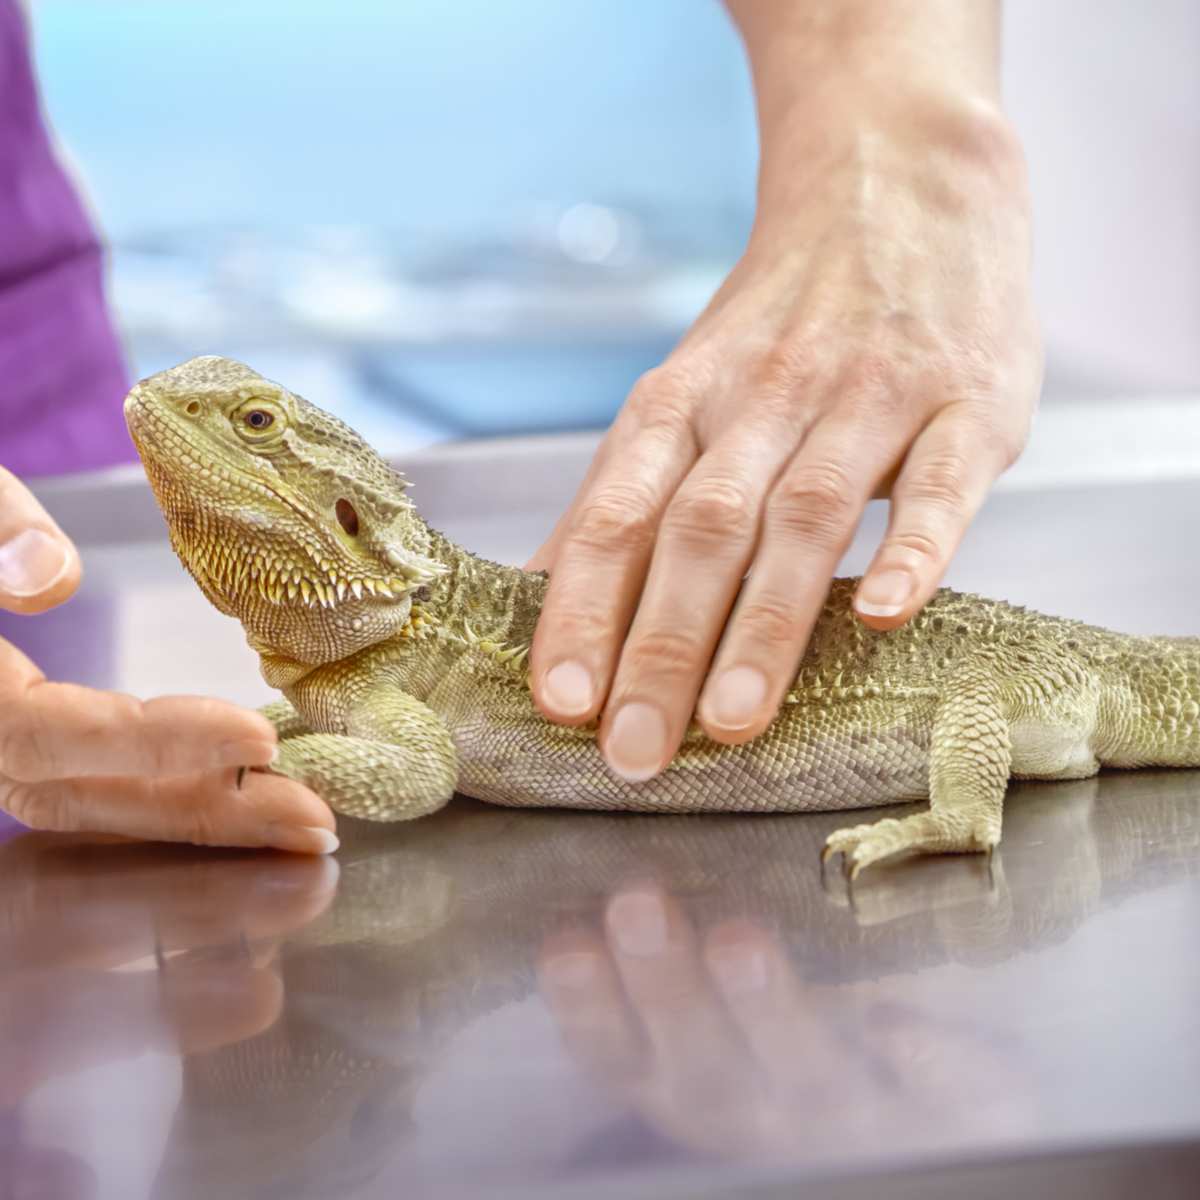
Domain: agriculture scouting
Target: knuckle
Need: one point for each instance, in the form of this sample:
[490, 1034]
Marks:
[713, 511]
[161, 755]
[1010, 443]
[573, 625]
[769, 621]
[940, 480]
[880, 387]
[202, 829]
[871, 372]
[921, 544]
[814, 503]
[146, 727]
[663, 397]
[49, 809]
[27, 754]
[785, 370]
[619, 517]
[986, 431]
[658, 652]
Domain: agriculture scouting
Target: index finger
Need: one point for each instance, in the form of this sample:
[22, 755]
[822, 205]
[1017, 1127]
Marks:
[602, 559]
[61, 730]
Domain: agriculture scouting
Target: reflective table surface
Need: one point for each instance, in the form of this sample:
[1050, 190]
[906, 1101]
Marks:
[536, 1003]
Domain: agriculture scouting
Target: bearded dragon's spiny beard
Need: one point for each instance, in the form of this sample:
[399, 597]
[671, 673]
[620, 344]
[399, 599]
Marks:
[286, 518]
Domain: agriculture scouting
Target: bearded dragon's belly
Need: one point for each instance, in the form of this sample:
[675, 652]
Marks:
[815, 756]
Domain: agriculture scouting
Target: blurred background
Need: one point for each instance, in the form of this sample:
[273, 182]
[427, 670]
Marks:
[486, 218]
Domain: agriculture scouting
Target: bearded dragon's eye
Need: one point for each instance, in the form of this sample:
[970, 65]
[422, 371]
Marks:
[256, 418]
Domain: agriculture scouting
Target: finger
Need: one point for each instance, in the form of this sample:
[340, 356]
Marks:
[86, 906]
[704, 545]
[208, 809]
[57, 1022]
[577, 978]
[62, 730]
[545, 555]
[942, 485]
[658, 960]
[218, 998]
[602, 559]
[808, 520]
[252, 899]
[39, 567]
[765, 1001]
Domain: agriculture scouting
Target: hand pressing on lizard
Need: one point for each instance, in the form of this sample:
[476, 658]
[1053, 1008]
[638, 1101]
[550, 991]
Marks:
[76, 759]
[876, 338]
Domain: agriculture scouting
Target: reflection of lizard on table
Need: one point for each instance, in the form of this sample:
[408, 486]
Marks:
[402, 656]
[776, 1020]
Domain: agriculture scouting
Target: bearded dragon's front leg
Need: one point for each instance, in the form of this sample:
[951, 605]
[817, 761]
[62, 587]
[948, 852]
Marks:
[395, 760]
[287, 721]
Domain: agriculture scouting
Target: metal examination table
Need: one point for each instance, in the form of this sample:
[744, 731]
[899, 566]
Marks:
[187, 1023]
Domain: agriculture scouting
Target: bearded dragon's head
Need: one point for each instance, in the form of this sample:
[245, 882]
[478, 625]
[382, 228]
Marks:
[286, 518]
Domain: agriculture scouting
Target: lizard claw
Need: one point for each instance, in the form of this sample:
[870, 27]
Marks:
[241, 774]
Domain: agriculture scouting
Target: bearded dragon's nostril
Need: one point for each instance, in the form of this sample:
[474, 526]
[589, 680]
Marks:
[193, 408]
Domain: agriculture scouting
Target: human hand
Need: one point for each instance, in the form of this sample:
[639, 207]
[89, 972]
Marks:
[124, 960]
[713, 1038]
[76, 759]
[877, 338]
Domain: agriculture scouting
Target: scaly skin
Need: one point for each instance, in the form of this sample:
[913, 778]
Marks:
[402, 656]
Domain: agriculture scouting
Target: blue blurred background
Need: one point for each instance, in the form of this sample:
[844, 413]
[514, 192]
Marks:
[463, 219]
[489, 216]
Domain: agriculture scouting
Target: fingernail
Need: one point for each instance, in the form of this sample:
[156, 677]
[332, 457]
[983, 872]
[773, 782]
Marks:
[308, 877]
[737, 696]
[638, 924]
[32, 563]
[302, 839]
[884, 595]
[573, 971]
[739, 970]
[568, 688]
[248, 752]
[635, 743]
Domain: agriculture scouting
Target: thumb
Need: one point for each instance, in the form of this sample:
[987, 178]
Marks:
[39, 567]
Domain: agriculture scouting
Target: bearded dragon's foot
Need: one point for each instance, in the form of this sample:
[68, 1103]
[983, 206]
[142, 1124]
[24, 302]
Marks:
[953, 831]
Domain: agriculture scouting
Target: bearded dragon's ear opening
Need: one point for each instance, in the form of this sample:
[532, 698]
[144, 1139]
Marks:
[347, 517]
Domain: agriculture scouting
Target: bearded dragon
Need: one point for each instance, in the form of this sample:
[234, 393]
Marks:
[402, 656]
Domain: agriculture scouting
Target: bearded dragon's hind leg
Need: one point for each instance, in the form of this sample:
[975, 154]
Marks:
[957, 829]
[395, 762]
[970, 760]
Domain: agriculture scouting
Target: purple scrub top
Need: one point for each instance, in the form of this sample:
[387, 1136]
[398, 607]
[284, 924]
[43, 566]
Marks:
[62, 371]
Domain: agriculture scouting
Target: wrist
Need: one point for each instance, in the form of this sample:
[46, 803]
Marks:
[868, 50]
[856, 130]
